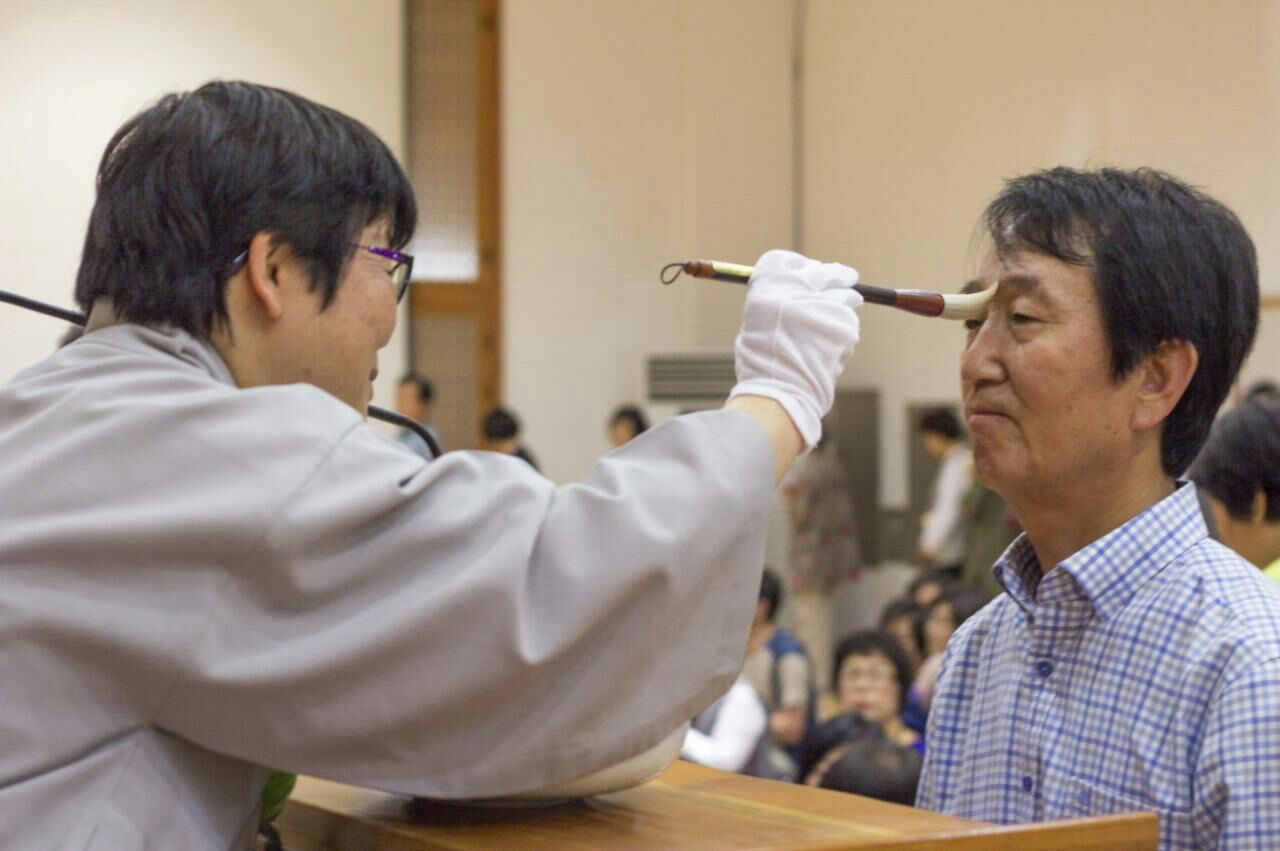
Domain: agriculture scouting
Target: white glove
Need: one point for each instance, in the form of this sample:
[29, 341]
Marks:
[798, 329]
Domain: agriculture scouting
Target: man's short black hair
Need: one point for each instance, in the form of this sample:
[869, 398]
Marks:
[940, 421]
[426, 390]
[1168, 263]
[184, 185]
[633, 415]
[501, 424]
[1242, 457]
[874, 642]
[771, 592]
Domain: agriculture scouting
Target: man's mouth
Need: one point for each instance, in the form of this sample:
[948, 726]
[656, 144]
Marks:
[973, 410]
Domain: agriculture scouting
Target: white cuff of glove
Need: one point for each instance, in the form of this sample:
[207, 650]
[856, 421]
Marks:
[798, 329]
[803, 412]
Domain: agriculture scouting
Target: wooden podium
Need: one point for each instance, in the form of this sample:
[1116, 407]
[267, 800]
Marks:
[687, 807]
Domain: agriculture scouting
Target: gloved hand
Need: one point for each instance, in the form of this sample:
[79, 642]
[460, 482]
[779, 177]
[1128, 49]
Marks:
[798, 329]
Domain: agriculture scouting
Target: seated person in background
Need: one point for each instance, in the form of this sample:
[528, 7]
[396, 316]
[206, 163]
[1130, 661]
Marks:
[826, 735]
[871, 677]
[626, 424]
[731, 734]
[944, 534]
[872, 767]
[904, 620]
[941, 619]
[779, 669]
[1238, 471]
[502, 434]
[929, 586]
[1132, 663]
[415, 397]
[1262, 391]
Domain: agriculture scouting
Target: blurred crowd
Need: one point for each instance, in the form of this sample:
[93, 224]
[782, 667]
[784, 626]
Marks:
[850, 713]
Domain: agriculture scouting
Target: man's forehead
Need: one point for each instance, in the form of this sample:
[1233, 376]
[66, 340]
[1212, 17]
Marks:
[1026, 272]
[1013, 282]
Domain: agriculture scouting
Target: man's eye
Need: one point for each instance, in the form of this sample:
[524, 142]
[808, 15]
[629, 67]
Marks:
[972, 324]
[1022, 318]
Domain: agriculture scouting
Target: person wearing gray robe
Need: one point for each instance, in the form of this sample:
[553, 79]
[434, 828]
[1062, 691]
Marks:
[212, 566]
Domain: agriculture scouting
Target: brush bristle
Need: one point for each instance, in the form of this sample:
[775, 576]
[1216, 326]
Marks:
[967, 305]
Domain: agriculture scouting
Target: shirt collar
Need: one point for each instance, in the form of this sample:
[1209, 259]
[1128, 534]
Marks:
[1109, 571]
[168, 340]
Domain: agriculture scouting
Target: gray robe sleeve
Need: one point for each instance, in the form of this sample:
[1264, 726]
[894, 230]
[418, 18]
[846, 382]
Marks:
[465, 628]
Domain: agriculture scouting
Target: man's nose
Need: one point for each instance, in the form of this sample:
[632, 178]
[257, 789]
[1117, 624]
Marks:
[982, 359]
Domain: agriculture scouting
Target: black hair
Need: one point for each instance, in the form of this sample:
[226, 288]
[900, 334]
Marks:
[771, 590]
[905, 607]
[501, 424]
[876, 768]
[1242, 457]
[874, 642]
[941, 421]
[1264, 389]
[939, 575]
[184, 186]
[1168, 263]
[426, 390]
[835, 731]
[633, 415]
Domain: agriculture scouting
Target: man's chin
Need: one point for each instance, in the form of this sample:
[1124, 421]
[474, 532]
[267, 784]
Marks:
[991, 470]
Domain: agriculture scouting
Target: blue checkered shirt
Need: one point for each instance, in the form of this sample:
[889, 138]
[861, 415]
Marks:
[1142, 673]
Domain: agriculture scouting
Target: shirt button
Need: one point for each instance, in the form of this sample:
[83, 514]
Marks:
[1044, 669]
[1027, 784]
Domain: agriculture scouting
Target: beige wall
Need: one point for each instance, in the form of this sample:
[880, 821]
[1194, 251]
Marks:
[916, 110]
[641, 131]
[74, 70]
[634, 133]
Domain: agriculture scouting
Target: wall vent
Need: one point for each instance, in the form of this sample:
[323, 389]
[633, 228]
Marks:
[690, 377]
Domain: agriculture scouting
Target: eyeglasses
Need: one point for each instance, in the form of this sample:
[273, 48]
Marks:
[400, 270]
[871, 676]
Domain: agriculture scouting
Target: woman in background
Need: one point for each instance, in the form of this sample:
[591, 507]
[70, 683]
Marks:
[941, 619]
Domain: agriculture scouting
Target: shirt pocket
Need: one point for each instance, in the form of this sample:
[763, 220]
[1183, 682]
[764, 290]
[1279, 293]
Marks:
[1089, 799]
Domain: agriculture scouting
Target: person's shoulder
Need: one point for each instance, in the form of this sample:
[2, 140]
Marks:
[1235, 602]
[784, 643]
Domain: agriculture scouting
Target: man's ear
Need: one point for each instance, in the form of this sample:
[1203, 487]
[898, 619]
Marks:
[1163, 378]
[1258, 510]
[261, 270]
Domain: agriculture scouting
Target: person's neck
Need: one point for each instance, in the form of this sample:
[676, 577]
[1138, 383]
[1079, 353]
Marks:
[1062, 521]
[102, 314]
[250, 365]
[760, 634]
[897, 732]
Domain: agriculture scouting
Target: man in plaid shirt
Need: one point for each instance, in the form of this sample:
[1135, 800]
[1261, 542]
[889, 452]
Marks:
[1133, 663]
